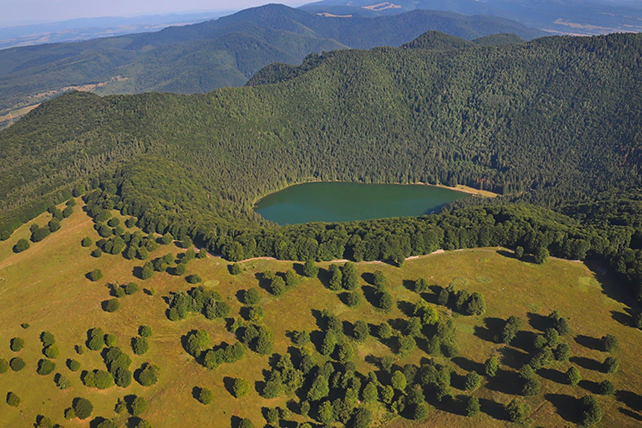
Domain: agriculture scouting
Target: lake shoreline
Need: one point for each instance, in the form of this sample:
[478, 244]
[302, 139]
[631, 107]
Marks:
[337, 201]
[458, 188]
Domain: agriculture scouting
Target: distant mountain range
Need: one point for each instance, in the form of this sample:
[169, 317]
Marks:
[580, 17]
[75, 30]
[224, 52]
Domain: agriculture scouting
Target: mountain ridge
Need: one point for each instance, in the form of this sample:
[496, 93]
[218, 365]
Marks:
[208, 52]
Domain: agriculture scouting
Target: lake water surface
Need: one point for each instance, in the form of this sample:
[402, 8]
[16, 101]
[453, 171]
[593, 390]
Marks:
[336, 202]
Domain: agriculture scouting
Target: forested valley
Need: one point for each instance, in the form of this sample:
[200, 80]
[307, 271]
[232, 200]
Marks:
[553, 125]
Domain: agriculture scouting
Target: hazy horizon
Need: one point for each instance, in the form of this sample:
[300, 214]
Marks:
[30, 12]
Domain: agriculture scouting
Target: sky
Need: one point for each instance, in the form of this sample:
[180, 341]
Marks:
[19, 12]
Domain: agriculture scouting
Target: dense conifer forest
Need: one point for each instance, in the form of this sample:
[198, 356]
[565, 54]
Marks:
[554, 123]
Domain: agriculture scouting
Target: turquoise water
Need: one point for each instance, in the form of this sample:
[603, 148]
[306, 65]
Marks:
[336, 202]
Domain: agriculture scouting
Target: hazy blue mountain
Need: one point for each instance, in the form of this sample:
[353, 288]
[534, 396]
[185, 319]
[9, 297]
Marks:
[555, 16]
[93, 28]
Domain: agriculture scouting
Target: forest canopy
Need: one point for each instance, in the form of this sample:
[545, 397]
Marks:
[552, 122]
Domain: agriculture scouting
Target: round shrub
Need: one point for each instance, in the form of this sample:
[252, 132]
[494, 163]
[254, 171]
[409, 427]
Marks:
[111, 305]
[240, 388]
[145, 331]
[54, 225]
[96, 339]
[310, 269]
[148, 271]
[140, 345]
[573, 376]
[235, 269]
[69, 413]
[95, 275]
[82, 408]
[352, 299]
[611, 365]
[138, 406]
[251, 296]
[148, 374]
[47, 338]
[205, 396]
[591, 411]
[62, 381]
[193, 279]
[610, 343]
[180, 269]
[51, 351]
[73, 365]
[113, 222]
[97, 253]
[421, 412]
[17, 364]
[473, 380]
[246, 423]
[130, 288]
[103, 379]
[110, 340]
[12, 399]
[21, 246]
[45, 367]
[16, 344]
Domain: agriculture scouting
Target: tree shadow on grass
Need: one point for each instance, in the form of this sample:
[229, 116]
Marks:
[298, 269]
[524, 340]
[623, 318]
[507, 254]
[513, 358]
[324, 277]
[264, 283]
[538, 322]
[493, 409]
[589, 342]
[553, 375]
[469, 365]
[408, 284]
[398, 324]
[505, 381]
[347, 328]
[630, 414]
[228, 382]
[429, 297]
[458, 381]
[137, 271]
[235, 422]
[565, 406]
[587, 363]
[491, 330]
[316, 337]
[196, 392]
[368, 277]
[590, 386]
[371, 294]
[406, 308]
[631, 399]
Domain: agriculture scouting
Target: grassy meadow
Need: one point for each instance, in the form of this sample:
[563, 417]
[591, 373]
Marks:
[45, 286]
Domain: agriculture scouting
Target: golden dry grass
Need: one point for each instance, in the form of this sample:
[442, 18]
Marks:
[45, 286]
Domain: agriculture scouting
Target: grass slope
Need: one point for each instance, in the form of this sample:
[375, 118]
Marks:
[46, 287]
